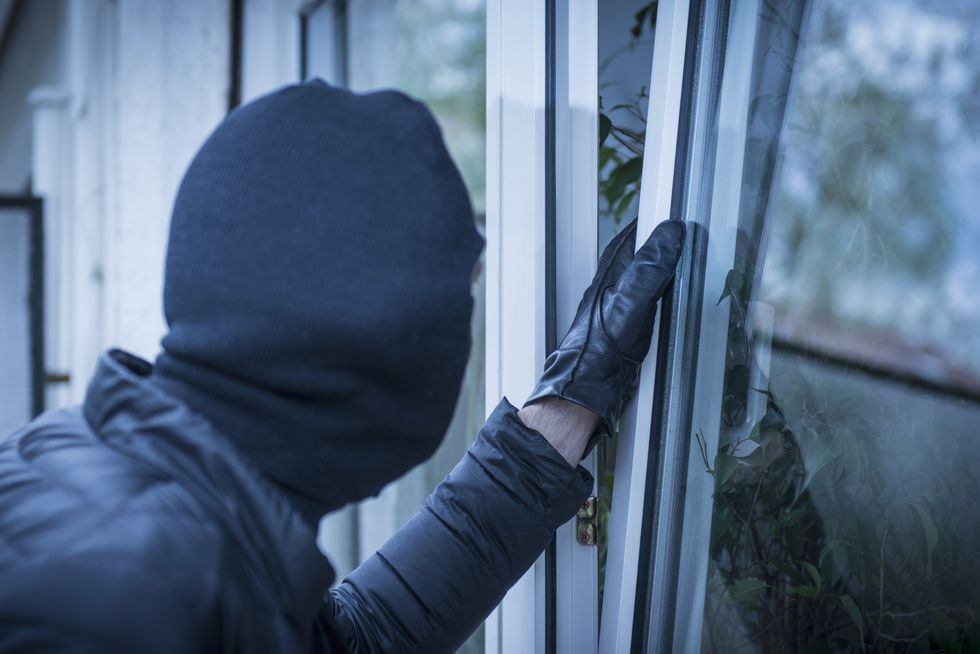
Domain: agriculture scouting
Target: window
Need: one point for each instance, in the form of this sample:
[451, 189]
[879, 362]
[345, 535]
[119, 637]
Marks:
[831, 495]
[543, 227]
[21, 312]
[796, 471]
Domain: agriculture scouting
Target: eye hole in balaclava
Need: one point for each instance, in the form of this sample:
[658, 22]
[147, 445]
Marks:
[317, 289]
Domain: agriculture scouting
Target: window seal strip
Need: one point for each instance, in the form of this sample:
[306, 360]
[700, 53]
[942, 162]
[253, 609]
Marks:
[551, 288]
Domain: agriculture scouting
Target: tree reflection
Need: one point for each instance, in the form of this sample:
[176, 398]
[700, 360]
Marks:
[844, 515]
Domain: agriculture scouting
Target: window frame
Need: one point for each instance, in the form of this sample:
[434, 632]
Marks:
[723, 130]
[657, 192]
[517, 40]
[576, 153]
[524, 39]
[31, 209]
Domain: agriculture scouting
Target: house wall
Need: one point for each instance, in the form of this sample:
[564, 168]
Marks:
[170, 88]
[102, 105]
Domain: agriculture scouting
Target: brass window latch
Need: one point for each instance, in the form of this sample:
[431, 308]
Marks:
[587, 522]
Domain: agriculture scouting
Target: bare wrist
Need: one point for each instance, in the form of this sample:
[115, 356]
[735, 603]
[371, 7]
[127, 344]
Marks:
[566, 425]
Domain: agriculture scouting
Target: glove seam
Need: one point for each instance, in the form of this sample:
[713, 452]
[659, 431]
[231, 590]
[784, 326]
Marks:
[612, 342]
[592, 310]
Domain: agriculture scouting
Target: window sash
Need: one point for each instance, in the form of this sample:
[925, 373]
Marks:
[630, 494]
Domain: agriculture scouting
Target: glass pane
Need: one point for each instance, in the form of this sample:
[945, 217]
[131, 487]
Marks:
[626, 29]
[15, 325]
[846, 426]
[440, 51]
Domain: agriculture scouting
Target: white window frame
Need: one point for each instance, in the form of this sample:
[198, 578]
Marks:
[576, 107]
[721, 217]
[656, 199]
[515, 259]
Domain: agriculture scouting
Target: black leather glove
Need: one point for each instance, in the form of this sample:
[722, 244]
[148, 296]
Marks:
[597, 364]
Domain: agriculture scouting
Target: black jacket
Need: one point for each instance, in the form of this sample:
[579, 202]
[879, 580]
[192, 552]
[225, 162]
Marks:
[129, 525]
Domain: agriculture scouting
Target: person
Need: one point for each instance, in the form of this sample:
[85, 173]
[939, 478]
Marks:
[317, 296]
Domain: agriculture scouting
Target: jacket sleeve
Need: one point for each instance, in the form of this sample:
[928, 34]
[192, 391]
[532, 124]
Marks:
[432, 584]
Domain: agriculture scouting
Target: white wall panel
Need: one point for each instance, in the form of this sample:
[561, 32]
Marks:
[170, 91]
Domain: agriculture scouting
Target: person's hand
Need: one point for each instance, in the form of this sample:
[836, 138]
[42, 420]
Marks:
[597, 365]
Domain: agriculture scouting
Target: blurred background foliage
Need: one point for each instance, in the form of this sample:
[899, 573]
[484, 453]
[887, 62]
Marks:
[441, 57]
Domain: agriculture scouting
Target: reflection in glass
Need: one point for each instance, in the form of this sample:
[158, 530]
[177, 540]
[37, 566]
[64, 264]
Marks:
[845, 490]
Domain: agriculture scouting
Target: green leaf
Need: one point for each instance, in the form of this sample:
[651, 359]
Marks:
[803, 591]
[772, 420]
[814, 573]
[623, 204]
[637, 28]
[825, 550]
[649, 9]
[852, 610]
[822, 452]
[605, 126]
[833, 561]
[722, 525]
[747, 585]
[788, 570]
[733, 285]
[931, 533]
[622, 176]
[607, 154]
[725, 465]
[746, 591]
[945, 632]
[929, 527]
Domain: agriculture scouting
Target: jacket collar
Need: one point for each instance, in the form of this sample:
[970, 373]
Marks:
[135, 417]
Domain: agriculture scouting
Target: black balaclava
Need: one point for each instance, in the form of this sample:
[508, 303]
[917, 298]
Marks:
[317, 289]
